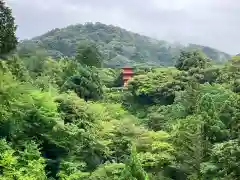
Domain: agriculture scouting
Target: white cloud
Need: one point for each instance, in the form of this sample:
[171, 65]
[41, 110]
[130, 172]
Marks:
[214, 23]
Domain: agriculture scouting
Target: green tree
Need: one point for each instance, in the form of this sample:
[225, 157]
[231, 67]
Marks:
[110, 171]
[192, 59]
[86, 83]
[155, 87]
[230, 74]
[89, 55]
[26, 164]
[18, 69]
[8, 40]
[224, 162]
[134, 169]
[34, 63]
[188, 138]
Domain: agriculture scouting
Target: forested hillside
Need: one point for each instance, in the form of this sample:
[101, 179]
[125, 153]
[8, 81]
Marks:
[62, 119]
[118, 46]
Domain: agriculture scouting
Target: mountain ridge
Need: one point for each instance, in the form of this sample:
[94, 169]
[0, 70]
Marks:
[119, 46]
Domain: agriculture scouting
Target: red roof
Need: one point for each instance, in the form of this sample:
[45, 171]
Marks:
[127, 67]
[127, 70]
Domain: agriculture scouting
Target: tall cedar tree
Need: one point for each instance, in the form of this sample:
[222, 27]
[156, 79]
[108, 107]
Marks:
[8, 40]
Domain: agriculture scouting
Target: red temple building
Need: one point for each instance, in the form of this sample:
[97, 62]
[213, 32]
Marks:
[127, 74]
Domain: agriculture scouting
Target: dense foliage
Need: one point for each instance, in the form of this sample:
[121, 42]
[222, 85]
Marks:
[68, 122]
[63, 119]
[118, 46]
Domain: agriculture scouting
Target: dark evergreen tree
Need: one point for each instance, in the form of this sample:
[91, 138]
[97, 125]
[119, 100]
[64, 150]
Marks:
[8, 40]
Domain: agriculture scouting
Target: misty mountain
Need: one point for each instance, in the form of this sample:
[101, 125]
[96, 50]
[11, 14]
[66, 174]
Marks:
[118, 46]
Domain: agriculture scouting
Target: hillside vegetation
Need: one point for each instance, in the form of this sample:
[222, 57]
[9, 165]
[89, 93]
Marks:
[62, 119]
[118, 46]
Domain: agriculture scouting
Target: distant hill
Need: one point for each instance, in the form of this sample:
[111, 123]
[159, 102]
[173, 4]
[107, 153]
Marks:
[119, 46]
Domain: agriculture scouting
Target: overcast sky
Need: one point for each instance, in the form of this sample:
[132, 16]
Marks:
[214, 23]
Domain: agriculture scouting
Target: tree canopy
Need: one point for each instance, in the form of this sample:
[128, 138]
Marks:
[192, 59]
[66, 121]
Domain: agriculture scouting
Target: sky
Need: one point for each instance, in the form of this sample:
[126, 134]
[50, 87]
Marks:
[214, 23]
